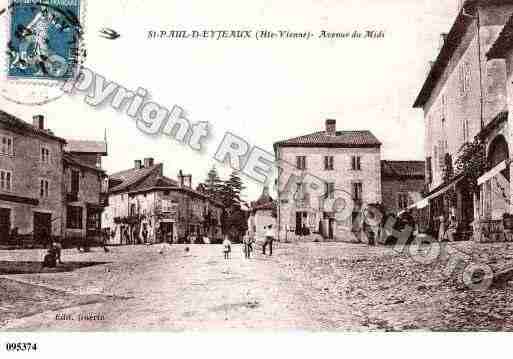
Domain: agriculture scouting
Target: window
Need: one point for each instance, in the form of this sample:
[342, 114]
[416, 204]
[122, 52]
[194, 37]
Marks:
[133, 209]
[357, 191]
[442, 150]
[6, 145]
[301, 162]
[43, 188]
[45, 154]
[402, 200]
[168, 206]
[75, 181]
[5, 180]
[330, 190]
[356, 164]
[465, 130]
[465, 78]
[93, 220]
[328, 163]
[74, 217]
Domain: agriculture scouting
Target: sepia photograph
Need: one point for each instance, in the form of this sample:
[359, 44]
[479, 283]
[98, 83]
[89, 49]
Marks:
[315, 166]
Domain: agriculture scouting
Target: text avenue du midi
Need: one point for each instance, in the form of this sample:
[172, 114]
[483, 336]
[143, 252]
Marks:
[262, 34]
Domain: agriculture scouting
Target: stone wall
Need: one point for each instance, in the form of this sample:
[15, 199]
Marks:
[448, 101]
[391, 188]
[27, 171]
[343, 176]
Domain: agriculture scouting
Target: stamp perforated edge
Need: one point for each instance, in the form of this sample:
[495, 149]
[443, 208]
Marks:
[46, 82]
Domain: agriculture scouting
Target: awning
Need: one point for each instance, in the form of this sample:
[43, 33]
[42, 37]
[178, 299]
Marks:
[443, 189]
[422, 203]
[492, 173]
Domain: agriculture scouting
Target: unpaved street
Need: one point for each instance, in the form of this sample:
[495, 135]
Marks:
[303, 286]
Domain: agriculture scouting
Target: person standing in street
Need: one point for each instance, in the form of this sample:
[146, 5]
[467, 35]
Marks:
[269, 238]
[248, 245]
[227, 247]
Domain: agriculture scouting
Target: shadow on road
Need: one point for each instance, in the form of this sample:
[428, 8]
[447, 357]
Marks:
[20, 267]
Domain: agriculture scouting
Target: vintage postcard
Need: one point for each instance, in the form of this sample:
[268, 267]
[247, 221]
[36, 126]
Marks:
[325, 166]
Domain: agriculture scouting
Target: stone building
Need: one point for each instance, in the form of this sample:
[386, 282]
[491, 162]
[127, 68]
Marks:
[142, 201]
[47, 187]
[495, 185]
[464, 98]
[262, 213]
[344, 166]
[402, 184]
[31, 181]
[83, 178]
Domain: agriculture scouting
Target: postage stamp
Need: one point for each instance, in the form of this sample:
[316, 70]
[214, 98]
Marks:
[41, 46]
[44, 39]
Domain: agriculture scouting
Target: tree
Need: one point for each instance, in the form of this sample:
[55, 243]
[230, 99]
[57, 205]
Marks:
[213, 184]
[234, 219]
[231, 190]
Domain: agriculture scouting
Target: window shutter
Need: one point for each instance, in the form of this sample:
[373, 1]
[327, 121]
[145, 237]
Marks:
[358, 163]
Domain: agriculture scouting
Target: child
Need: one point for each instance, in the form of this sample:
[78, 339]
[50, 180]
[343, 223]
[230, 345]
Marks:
[227, 247]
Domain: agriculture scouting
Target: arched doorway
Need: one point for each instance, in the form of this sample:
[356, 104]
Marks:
[498, 151]
[497, 189]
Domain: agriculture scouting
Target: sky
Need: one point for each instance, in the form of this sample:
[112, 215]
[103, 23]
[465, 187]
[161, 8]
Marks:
[263, 91]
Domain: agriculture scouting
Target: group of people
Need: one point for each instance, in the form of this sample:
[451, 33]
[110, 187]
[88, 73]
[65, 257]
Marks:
[248, 242]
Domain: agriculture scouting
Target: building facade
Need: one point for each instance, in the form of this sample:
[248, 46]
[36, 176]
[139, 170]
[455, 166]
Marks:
[41, 178]
[402, 184]
[463, 99]
[83, 178]
[262, 214]
[346, 164]
[31, 182]
[146, 206]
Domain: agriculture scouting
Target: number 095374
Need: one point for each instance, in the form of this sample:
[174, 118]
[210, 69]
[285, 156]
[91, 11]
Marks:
[20, 347]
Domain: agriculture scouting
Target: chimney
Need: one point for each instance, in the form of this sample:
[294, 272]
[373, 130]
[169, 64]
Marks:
[137, 164]
[180, 178]
[38, 121]
[443, 38]
[148, 162]
[331, 127]
[188, 181]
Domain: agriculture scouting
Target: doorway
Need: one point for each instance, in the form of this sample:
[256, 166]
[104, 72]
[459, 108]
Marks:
[167, 231]
[5, 223]
[301, 218]
[42, 226]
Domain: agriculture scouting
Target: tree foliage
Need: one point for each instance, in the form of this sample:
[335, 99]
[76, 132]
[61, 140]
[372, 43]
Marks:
[213, 184]
[472, 163]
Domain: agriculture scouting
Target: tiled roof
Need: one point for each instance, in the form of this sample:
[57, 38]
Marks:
[155, 183]
[68, 157]
[86, 146]
[166, 183]
[341, 139]
[403, 169]
[20, 125]
[264, 202]
[132, 176]
[504, 42]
